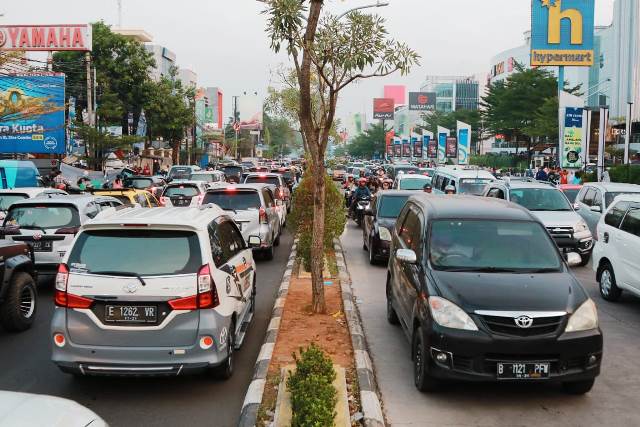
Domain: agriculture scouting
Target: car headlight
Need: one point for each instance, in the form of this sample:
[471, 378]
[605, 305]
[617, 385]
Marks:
[449, 315]
[385, 234]
[584, 318]
[580, 227]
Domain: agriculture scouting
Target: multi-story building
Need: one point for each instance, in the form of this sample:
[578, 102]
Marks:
[165, 60]
[453, 92]
[188, 78]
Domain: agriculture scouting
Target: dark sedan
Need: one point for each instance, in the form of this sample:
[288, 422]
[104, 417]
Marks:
[380, 220]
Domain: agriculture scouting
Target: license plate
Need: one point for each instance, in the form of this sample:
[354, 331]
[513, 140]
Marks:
[523, 371]
[131, 313]
[42, 245]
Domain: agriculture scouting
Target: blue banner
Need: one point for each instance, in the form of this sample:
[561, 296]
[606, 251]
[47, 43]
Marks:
[464, 144]
[32, 113]
[573, 117]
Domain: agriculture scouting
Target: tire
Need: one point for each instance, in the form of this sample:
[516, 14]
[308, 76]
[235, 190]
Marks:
[18, 311]
[609, 290]
[421, 378]
[268, 253]
[392, 316]
[578, 387]
[585, 259]
[225, 371]
[372, 253]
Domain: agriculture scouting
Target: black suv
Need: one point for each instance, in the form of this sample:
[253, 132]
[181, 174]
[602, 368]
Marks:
[484, 294]
[18, 292]
[379, 220]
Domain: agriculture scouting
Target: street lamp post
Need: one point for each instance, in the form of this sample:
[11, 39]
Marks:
[378, 3]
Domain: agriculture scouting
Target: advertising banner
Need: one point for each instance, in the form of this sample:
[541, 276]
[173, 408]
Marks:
[32, 113]
[250, 109]
[397, 93]
[417, 150]
[46, 37]
[422, 101]
[390, 150]
[572, 138]
[383, 108]
[432, 147]
[406, 147]
[397, 150]
[562, 32]
[443, 134]
[452, 147]
[464, 143]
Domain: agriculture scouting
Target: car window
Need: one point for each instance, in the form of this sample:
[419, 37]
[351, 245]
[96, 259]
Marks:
[631, 222]
[616, 213]
[237, 237]
[571, 194]
[391, 206]
[228, 241]
[597, 198]
[473, 186]
[43, 217]
[8, 199]
[92, 210]
[496, 193]
[124, 199]
[587, 197]
[410, 230]
[146, 252]
[138, 183]
[540, 199]
[273, 180]
[234, 200]
[413, 183]
[216, 248]
[612, 195]
[181, 190]
[268, 198]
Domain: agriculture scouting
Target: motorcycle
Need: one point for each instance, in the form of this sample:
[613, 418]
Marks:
[362, 204]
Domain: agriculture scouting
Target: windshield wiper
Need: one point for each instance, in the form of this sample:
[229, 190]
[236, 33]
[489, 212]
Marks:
[121, 273]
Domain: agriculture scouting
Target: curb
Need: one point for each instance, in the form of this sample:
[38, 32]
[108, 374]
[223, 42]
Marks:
[253, 398]
[371, 407]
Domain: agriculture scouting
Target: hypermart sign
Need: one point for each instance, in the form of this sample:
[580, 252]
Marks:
[45, 37]
[562, 32]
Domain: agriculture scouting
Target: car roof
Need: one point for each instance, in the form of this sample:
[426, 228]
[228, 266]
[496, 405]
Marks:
[470, 207]
[184, 182]
[413, 175]
[224, 186]
[119, 191]
[192, 218]
[464, 172]
[72, 199]
[32, 191]
[264, 174]
[628, 198]
[391, 193]
[529, 184]
[613, 186]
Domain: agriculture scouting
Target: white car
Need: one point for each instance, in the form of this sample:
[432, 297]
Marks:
[411, 181]
[174, 295]
[616, 255]
[183, 194]
[10, 196]
[36, 410]
[254, 209]
[208, 177]
[50, 224]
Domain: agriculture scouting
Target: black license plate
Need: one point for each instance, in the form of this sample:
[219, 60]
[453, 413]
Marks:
[131, 313]
[42, 245]
[523, 371]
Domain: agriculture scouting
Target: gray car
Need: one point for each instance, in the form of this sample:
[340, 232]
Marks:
[596, 197]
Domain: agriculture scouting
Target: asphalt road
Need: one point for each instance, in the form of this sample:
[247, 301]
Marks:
[193, 401]
[614, 400]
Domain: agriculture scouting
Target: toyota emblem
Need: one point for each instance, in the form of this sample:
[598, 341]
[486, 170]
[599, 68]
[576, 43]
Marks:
[130, 288]
[37, 236]
[523, 322]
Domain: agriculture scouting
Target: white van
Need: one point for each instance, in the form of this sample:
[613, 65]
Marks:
[465, 179]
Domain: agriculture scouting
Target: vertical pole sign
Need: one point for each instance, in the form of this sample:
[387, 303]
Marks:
[406, 147]
[443, 134]
[464, 143]
[562, 35]
[397, 148]
[571, 154]
[430, 149]
[416, 143]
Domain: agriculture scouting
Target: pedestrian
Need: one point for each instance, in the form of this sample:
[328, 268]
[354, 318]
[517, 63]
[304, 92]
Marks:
[564, 177]
[427, 188]
[156, 167]
[577, 178]
[541, 175]
[117, 183]
[605, 176]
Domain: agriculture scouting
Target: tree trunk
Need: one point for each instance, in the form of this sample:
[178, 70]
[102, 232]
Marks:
[317, 243]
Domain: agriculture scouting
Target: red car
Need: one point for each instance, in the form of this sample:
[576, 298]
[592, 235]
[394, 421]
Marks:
[570, 190]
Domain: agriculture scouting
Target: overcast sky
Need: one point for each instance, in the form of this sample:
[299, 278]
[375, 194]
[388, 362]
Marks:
[224, 42]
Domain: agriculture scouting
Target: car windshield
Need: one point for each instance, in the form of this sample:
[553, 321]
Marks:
[7, 200]
[203, 177]
[390, 206]
[273, 180]
[43, 217]
[474, 186]
[139, 183]
[482, 245]
[180, 173]
[610, 196]
[571, 194]
[540, 199]
[233, 200]
[145, 252]
[232, 170]
[181, 190]
[413, 183]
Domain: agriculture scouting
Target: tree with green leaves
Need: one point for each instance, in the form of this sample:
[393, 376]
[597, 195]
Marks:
[337, 53]
[369, 142]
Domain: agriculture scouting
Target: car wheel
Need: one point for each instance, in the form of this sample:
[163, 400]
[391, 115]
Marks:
[225, 371]
[372, 253]
[392, 316]
[608, 287]
[421, 376]
[578, 387]
[18, 311]
[268, 253]
[585, 259]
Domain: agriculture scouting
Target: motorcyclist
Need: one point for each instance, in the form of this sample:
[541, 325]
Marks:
[386, 184]
[450, 189]
[361, 191]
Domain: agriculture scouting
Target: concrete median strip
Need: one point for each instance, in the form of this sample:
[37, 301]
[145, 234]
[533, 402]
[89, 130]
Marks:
[253, 398]
[371, 407]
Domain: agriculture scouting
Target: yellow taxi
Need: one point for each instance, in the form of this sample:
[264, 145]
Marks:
[130, 196]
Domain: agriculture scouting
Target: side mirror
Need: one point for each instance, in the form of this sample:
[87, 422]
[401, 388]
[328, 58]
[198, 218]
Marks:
[254, 241]
[407, 256]
[596, 208]
[368, 212]
[573, 259]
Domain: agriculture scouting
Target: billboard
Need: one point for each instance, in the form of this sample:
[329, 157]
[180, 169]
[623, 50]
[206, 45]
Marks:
[422, 101]
[46, 37]
[32, 113]
[452, 147]
[397, 93]
[443, 134]
[562, 32]
[573, 139]
[432, 147]
[406, 148]
[383, 108]
[250, 110]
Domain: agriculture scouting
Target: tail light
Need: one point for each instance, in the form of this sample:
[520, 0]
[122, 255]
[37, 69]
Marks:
[65, 299]
[68, 230]
[207, 296]
[9, 230]
[263, 216]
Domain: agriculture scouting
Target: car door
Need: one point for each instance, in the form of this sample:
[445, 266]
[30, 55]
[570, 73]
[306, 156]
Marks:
[629, 249]
[408, 235]
[586, 201]
[609, 238]
[272, 213]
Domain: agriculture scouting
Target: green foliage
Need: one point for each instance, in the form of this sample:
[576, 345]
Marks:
[279, 135]
[499, 162]
[302, 215]
[369, 142]
[99, 143]
[313, 397]
[625, 173]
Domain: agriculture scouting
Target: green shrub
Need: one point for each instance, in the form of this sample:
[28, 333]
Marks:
[302, 216]
[313, 397]
[625, 173]
[500, 162]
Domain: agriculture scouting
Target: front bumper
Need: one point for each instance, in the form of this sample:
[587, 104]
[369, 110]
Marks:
[580, 245]
[381, 248]
[473, 356]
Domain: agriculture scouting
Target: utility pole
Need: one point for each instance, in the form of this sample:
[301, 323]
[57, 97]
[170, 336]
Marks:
[89, 89]
[236, 123]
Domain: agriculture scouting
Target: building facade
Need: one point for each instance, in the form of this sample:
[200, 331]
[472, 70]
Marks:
[165, 60]
[453, 92]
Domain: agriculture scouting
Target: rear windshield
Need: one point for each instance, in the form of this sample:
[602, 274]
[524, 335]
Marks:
[181, 190]
[413, 183]
[273, 180]
[7, 200]
[610, 196]
[233, 200]
[405, 169]
[232, 170]
[571, 194]
[43, 217]
[144, 252]
[474, 186]
[203, 177]
[180, 173]
[390, 206]
[139, 183]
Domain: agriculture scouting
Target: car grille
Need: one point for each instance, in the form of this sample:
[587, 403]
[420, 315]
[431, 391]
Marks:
[462, 363]
[507, 326]
[561, 232]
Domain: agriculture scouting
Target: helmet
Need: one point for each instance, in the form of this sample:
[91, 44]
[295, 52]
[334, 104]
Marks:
[450, 189]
